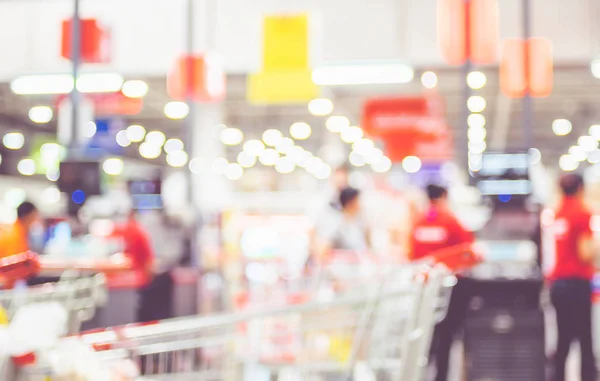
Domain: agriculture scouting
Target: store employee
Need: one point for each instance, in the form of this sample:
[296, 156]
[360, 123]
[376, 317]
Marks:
[439, 229]
[571, 289]
[14, 239]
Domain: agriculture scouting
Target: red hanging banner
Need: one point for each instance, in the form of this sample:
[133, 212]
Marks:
[409, 126]
[517, 79]
[95, 41]
[201, 78]
[468, 31]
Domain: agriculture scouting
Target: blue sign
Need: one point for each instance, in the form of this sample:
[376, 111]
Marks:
[104, 140]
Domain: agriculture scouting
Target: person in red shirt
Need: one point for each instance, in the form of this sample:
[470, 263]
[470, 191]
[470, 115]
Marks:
[571, 287]
[439, 229]
[138, 247]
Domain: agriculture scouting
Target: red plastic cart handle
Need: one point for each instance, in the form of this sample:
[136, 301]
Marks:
[19, 266]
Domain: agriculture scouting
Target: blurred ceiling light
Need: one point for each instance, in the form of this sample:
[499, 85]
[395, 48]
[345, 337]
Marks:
[411, 164]
[578, 153]
[476, 103]
[41, 114]
[568, 163]
[0, 159]
[90, 130]
[156, 138]
[374, 156]
[122, 139]
[269, 157]
[324, 172]
[135, 133]
[246, 160]
[363, 146]
[135, 89]
[285, 165]
[234, 171]
[352, 134]
[42, 84]
[254, 147]
[313, 165]
[365, 74]
[232, 136]
[476, 80]
[272, 137]
[357, 159]
[562, 127]
[51, 195]
[51, 152]
[535, 156]
[300, 131]
[384, 164]
[302, 160]
[477, 134]
[337, 123]
[100, 83]
[285, 145]
[177, 159]
[477, 147]
[113, 166]
[429, 80]
[63, 83]
[176, 110]
[173, 145]
[595, 131]
[476, 121]
[296, 153]
[588, 143]
[219, 165]
[13, 140]
[320, 106]
[149, 150]
[594, 157]
[475, 162]
[26, 167]
[595, 67]
[53, 174]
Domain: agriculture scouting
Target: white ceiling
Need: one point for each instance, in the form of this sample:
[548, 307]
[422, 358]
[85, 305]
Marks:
[149, 34]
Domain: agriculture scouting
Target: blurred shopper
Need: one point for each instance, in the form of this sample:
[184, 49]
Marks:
[571, 289]
[137, 245]
[439, 229]
[345, 231]
[15, 239]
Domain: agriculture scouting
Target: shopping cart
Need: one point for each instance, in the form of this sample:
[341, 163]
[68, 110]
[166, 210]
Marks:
[79, 295]
[382, 332]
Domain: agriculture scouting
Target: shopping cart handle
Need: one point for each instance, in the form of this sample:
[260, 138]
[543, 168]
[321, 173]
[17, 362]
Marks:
[456, 258]
[19, 266]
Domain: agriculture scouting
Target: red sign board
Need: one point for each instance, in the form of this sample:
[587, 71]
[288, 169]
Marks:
[111, 104]
[409, 126]
[201, 78]
[95, 41]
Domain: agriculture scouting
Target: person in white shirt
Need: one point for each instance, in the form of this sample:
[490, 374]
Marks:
[344, 229]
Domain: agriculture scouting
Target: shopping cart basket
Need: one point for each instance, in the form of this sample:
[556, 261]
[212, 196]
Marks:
[385, 331]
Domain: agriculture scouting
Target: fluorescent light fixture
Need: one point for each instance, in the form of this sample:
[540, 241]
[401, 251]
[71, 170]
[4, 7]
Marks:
[14, 140]
[429, 80]
[595, 67]
[300, 131]
[63, 83]
[176, 110]
[504, 187]
[320, 106]
[363, 74]
[173, 145]
[100, 83]
[26, 167]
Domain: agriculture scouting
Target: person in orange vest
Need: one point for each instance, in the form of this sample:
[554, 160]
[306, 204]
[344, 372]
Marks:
[571, 279]
[14, 239]
[435, 230]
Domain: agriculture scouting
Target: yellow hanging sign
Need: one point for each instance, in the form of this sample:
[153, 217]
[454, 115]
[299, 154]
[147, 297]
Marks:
[286, 76]
[285, 43]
